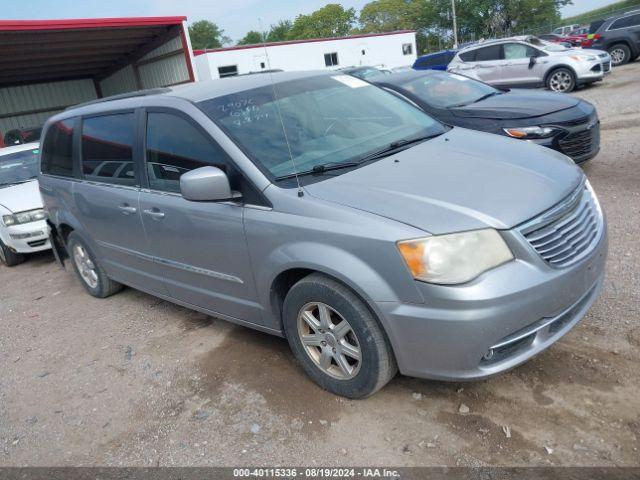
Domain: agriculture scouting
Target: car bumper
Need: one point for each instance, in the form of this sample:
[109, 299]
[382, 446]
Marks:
[588, 72]
[496, 322]
[26, 238]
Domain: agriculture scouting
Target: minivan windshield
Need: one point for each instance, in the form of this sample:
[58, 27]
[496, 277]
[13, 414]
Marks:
[328, 119]
[18, 167]
[446, 90]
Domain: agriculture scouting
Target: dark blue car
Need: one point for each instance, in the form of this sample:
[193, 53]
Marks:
[435, 61]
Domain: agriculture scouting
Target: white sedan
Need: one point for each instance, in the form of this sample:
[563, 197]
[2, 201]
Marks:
[23, 227]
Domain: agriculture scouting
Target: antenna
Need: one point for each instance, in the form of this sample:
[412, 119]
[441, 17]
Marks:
[277, 102]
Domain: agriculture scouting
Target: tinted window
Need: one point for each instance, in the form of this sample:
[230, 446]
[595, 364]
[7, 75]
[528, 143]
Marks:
[57, 149]
[513, 51]
[593, 28]
[107, 148]
[626, 22]
[175, 146]
[487, 54]
[468, 56]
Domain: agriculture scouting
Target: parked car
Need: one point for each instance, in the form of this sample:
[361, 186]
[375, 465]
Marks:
[19, 136]
[553, 38]
[566, 29]
[371, 236]
[23, 228]
[530, 62]
[558, 121]
[364, 72]
[620, 36]
[435, 61]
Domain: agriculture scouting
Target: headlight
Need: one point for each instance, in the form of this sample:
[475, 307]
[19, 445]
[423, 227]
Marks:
[583, 58]
[23, 217]
[531, 132]
[454, 258]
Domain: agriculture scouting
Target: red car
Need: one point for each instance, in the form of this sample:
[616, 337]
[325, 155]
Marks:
[552, 37]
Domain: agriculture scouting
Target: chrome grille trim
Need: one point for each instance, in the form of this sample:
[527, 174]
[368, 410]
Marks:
[568, 232]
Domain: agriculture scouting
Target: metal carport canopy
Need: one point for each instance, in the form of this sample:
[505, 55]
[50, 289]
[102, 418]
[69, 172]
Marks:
[36, 51]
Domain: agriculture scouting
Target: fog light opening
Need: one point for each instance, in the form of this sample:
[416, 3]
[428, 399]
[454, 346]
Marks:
[488, 355]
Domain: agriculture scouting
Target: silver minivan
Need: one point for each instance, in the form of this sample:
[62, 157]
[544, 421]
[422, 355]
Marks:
[323, 209]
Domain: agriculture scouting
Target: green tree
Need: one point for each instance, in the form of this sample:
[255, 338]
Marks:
[252, 37]
[332, 20]
[390, 15]
[280, 31]
[206, 34]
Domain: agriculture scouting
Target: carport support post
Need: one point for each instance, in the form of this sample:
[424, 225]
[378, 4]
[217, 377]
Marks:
[455, 24]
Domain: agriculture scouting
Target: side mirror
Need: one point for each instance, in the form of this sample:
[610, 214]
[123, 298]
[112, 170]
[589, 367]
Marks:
[206, 184]
[532, 61]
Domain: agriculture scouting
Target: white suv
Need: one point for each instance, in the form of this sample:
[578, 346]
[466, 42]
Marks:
[530, 62]
[23, 228]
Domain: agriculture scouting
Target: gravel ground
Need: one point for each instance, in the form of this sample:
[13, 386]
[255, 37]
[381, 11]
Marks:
[132, 380]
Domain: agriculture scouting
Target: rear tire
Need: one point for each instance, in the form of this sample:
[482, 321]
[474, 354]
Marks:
[620, 54]
[8, 257]
[561, 80]
[88, 270]
[344, 349]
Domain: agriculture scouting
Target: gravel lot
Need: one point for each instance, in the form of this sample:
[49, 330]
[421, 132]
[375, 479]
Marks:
[132, 380]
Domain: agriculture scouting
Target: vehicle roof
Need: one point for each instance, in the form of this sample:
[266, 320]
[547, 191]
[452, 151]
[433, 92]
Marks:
[19, 148]
[193, 92]
[482, 43]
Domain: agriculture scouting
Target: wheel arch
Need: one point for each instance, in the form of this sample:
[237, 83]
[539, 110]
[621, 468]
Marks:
[557, 67]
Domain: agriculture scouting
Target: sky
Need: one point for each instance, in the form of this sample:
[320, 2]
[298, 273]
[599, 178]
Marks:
[236, 17]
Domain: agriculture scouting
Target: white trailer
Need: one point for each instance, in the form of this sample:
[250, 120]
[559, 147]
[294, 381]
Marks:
[388, 50]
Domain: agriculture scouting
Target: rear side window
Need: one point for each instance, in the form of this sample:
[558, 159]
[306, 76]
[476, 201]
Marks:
[107, 148]
[625, 22]
[468, 56]
[57, 150]
[488, 54]
[593, 28]
[174, 147]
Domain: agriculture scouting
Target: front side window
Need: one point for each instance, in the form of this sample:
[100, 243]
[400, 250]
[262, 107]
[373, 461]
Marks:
[107, 148]
[57, 151]
[445, 90]
[326, 118]
[515, 51]
[18, 167]
[331, 59]
[175, 146]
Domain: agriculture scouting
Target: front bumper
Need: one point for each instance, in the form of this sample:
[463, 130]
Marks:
[26, 238]
[495, 322]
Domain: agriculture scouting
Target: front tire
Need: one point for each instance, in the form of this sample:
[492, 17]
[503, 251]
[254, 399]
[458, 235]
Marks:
[620, 54]
[8, 257]
[88, 270]
[336, 338]
[561, 80]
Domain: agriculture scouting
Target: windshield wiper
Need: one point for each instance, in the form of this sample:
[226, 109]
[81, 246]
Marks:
[483, 97]
[393, 147]
[319, 169]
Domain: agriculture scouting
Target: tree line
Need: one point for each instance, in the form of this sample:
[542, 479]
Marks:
[431, 19]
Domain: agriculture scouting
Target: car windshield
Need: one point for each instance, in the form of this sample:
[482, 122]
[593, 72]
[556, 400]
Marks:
[548, 46]
[445, 90]
[18, 167]
[327, 119]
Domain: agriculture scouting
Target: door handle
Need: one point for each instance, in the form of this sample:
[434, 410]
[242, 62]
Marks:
[127, 209]
[154, 213]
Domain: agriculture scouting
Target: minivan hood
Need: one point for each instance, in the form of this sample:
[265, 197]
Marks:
[462, 180]
[517, 104]
[21, 197]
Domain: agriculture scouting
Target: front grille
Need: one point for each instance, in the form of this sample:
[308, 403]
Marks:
[569, 231]
[579, 144]
[37, 243]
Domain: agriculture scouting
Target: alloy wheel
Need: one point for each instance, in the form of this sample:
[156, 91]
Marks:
[560, 81]
[329, 340]
[85, 266]
[617, 56]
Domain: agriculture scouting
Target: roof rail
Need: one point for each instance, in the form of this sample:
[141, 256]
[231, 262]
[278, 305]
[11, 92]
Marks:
[121, 96]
